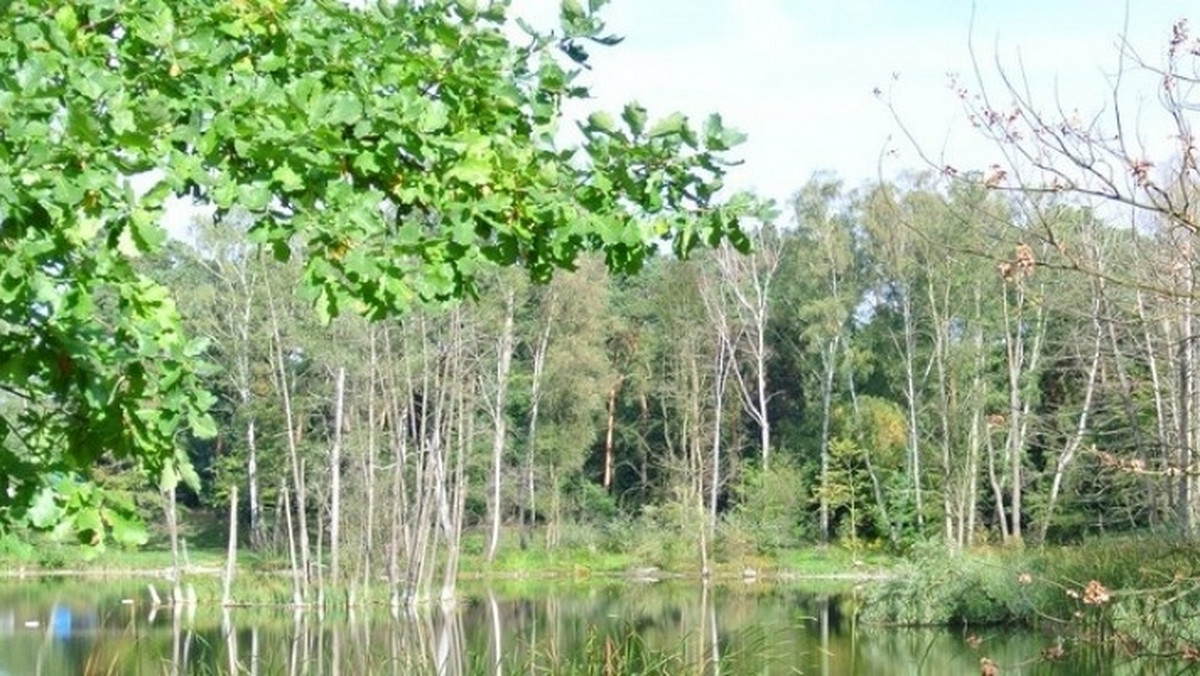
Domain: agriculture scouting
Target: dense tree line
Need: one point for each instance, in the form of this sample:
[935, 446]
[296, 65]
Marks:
[891, 363]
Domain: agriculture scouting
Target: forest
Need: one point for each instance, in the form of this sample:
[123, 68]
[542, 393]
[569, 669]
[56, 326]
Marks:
[402, 327]
[891, 363]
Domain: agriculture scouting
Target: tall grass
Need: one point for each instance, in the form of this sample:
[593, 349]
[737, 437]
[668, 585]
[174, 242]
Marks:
[1139, 594]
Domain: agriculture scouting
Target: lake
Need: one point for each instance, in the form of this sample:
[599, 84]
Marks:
[59, 628]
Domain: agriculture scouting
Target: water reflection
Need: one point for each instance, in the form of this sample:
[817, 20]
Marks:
[595, 628]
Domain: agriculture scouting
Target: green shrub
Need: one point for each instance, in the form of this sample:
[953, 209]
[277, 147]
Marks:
[936, 587]
[53, 555]
[771, 507]
[588, 502]
[473, 543]
[618, 535]
[669, 535]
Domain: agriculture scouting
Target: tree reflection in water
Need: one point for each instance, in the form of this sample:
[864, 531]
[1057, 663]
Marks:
[590, 628]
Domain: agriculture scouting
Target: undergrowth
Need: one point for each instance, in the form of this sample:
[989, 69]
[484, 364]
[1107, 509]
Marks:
[1140, 594]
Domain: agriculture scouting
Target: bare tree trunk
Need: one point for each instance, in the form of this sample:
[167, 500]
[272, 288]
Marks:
[967, 539]
[369, 466]
[830, 364]
[535, 400]
[1184, 501]
[940, 340]
[694, 493]
[297, 573]
[1015, 340]
[335, 480]
[1157, 385]
[428, 493]
[979, 426]
[231, 552]
[1022, 360]
[729, 334]
[997, 491]
[504, 350]
[910, 396]
[173, 533]
[720, 377]
[723, 364]
[609, 433]
[402, 542]
[553, 526]
[449, 478]
[1068, 454]
[1189, 397]
[284, 387]
[256, 527]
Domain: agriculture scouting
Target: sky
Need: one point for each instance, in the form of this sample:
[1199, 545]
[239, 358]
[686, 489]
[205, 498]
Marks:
[799, 75]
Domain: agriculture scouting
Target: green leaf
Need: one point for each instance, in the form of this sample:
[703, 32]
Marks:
[203, 426]
[255, 196]
[572, 10]
[168, 479]
[345, 109]
[82, 124]
[44, 511]
[673, 124]
[325, 305]
[718, 137]
[433, 117]
[288, 179]
[67, 20]
[146, 231]
[635, 116]
[466, 8]
[127, 245]
[473, 170]
[89, 527]
[126, 528]
[366, 163]
[602, 121]
[190, 478]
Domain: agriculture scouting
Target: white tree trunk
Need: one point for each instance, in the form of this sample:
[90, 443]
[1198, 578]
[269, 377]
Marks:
[335, 480]
[504, 353]
[1081, 427]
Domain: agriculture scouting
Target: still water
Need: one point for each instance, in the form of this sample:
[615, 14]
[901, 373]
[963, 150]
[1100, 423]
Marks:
[62, 628]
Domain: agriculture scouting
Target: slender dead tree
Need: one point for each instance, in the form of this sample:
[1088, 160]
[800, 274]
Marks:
[540, 350]
[335, 478]
[499, 413]
[283, 386]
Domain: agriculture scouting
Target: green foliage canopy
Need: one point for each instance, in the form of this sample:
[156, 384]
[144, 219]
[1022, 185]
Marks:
[402, 147]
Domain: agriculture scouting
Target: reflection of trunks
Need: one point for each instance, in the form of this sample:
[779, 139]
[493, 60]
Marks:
[8, 623]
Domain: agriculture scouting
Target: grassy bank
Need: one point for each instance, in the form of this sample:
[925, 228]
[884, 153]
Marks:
[582, 555]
